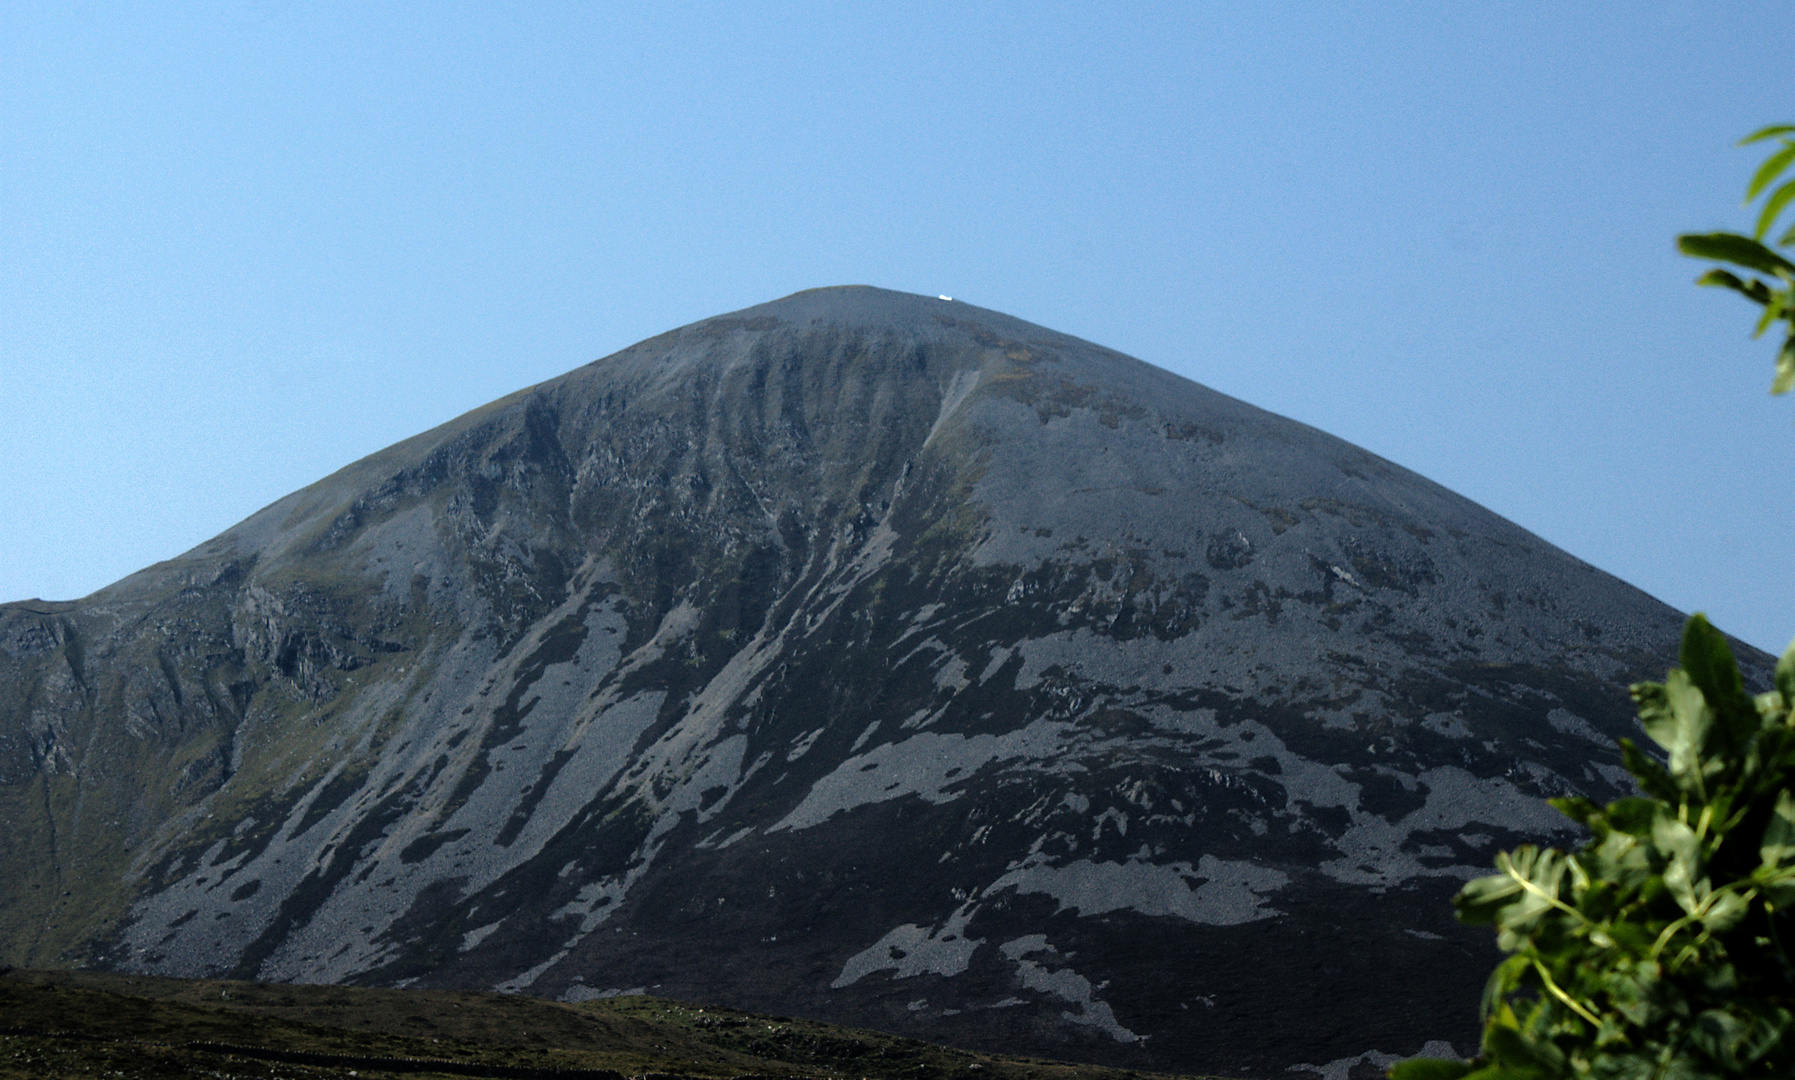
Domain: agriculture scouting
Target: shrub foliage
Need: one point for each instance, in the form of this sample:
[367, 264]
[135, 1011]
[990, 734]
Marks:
[1749, 253]
[1661, 949]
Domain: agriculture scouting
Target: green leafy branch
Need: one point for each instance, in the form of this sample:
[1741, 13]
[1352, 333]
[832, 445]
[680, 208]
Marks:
[1660, 949]
[1752, 254]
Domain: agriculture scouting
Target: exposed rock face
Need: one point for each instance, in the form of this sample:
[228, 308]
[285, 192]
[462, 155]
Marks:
[859, 655]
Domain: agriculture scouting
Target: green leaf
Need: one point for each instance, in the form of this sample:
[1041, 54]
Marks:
[1429, 1069]
[1783, 896]
[1725, 279]
[1785, 368]
[1720, 1035]
[1580, 810]
[1765, 133]
[1766, 1034]
[1655, 712]
[1677, 842]
[1778, 845]
[1736, 249]
[1504, 1072]
[1774, 206]
[1503, 981]
[1725, 912]
[1483, 898]
[1773, 310]
[1524, 891]
[1653, 778]
[1633, 814]
[1785, 675]
[1754, 290]
[1770, 170]
[1680, 725]
[1512, 1048]
[1709, 662]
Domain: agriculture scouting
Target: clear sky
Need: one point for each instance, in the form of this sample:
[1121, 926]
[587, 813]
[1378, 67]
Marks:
[243, 244]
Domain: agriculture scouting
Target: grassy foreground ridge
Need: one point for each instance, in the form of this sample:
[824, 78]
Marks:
[86, 1024]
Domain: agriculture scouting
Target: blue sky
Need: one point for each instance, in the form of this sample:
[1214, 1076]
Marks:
[242, 244]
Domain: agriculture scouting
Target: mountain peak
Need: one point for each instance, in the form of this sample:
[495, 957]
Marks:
[856, 305]
[871, 656]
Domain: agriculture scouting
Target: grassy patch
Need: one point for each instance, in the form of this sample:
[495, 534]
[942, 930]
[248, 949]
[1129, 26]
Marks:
[142, 1026]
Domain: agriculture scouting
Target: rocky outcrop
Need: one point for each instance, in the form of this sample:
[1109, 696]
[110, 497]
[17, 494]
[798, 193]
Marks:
[860, 655]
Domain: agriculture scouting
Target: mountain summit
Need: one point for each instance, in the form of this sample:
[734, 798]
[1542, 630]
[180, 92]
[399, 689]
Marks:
[864, 656]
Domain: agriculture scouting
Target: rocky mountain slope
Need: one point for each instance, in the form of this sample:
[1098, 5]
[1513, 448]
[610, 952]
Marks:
[861, 656]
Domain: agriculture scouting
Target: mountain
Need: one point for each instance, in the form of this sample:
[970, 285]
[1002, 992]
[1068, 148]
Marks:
[860, 656]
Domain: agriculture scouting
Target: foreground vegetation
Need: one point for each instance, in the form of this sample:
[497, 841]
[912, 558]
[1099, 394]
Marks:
[85, 1024]
[1665, 948]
